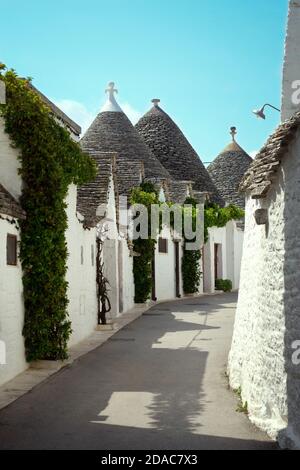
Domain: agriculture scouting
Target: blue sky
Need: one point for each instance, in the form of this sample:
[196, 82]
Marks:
[210, 62]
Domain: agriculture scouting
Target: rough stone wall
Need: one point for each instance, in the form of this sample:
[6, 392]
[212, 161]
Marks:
[268, 316]
[291, 68]
[11, 310]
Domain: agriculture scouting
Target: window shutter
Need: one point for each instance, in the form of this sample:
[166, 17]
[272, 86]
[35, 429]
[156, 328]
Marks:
[11, 250]
[163, 245]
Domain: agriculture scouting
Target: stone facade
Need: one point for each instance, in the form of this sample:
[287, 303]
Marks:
[291, 77]
[264, 359]
[267, 320]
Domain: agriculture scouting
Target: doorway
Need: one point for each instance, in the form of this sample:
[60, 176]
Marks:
[218, 261]
[153, 296]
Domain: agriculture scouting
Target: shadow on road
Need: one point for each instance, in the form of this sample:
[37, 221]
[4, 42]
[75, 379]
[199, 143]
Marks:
[140, 390]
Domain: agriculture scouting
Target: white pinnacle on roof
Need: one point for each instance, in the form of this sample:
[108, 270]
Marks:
[111, 105]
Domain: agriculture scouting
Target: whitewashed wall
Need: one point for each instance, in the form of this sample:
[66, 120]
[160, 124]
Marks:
[11, 299]
[81, 274]
[118, 263]
[216, 235]
[268, 316]
[111, 251]
[291, 69]
[9, 164]
[165, 285]
[234, 248]
[238, 253]
[11, 309]
[126, 280]
[230, 239]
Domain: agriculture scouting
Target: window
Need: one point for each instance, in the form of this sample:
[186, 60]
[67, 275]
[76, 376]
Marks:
[163, 245]
[11, 250]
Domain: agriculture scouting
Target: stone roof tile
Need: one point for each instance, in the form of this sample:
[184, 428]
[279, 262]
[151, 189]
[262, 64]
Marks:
[112, 131]
[92, 197]
[9, 205]
[263, 171]
[227, 171]
[173, 150]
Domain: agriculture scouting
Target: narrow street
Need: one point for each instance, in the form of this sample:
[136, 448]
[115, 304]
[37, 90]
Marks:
[157, 384]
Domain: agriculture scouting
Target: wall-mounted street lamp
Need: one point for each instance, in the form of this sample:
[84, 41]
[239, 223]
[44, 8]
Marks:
[260, 113]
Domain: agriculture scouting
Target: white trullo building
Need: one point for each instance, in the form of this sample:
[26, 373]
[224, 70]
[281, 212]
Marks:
[222, 252]
[112, 131]
[264, 361]
[227, 171]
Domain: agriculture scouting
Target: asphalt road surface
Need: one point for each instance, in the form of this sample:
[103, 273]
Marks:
[157, 384]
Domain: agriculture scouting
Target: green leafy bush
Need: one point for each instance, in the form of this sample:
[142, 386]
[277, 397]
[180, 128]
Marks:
[142, 264]
[224, 284]
[216, 216]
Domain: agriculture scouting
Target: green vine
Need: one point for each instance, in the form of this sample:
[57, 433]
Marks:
[214, 216]
[50, 162]
[142, 264]
[191, 268]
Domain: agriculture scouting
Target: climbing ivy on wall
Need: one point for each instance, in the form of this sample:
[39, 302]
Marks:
[191, 269]
[144, 248]
[50, 162]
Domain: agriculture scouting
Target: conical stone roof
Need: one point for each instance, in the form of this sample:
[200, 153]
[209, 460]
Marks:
[174, 151]
[228, 169]
[112, 131]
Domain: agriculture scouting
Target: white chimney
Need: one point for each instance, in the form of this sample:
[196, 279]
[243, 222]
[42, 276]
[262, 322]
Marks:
[291, 68]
